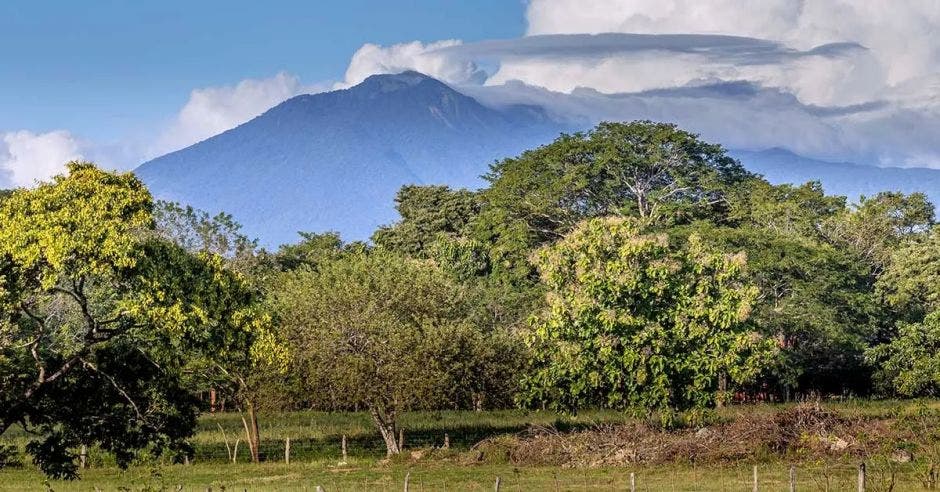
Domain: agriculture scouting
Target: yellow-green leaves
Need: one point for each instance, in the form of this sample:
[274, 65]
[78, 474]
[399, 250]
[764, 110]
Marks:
[633, 321]
[82, 224]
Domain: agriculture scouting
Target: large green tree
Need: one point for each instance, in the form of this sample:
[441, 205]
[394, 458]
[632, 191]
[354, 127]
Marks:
[911, 281]
[388, 333]
[877, 226]
[634, 322]
[653, 171]
[100, 315]
[814, 298]
[909, 364]
[427, 213]
[785, 210]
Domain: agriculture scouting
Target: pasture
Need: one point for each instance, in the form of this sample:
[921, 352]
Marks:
[480, 451]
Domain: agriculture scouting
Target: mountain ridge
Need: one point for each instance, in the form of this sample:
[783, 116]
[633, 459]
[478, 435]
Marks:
[334, 160]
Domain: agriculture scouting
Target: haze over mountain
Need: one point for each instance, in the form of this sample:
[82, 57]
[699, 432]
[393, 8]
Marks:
[840, 178]
[333, 161]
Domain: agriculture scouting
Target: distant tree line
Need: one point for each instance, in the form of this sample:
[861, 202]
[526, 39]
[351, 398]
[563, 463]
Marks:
[632, 267]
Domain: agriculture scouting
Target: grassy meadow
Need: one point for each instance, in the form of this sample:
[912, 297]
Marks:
[316, 457]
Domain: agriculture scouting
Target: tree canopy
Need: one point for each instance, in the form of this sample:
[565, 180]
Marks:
[97, 311]
[634, 322]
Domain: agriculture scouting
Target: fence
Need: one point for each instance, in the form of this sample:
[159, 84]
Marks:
[349, 472]
[339, 462]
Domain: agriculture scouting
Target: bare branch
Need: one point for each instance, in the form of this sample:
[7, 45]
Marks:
[116, 386]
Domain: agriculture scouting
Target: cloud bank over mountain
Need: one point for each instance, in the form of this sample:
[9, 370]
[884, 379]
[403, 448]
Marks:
[212, 110]
[830, 79]
[833, 79]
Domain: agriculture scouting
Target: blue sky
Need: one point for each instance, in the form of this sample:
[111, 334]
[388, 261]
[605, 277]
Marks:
[120, 82]
[105, 67]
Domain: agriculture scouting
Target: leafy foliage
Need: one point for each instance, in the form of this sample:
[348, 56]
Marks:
[427, 212]
[100, 315]
[911, 281]
[881, 224]
[910, 363]
[653, 171]
[634, 322]
[387, 333]
[814, 299]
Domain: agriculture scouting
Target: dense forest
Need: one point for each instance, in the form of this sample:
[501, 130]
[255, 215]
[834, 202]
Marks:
[633, 267]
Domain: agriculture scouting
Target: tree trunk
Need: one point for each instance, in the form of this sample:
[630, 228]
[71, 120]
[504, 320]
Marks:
[252, 431]
[722, 390]
[388, 430]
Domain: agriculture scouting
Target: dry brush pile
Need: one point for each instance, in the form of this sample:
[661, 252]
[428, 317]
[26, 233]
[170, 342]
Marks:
[805, 432]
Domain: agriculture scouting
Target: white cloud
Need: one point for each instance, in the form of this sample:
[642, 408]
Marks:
[27, 157]
[373, 59]
[213, 110]
[899, 35]
[836, 79]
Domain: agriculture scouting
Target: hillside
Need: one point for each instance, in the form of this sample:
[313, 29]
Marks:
[840, 178]
[333, 161]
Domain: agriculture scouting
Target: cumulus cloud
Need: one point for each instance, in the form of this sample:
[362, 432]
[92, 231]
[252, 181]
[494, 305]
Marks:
[833, 79]
[27, 157]
[427, 58]
[213, 110]
[899, 35]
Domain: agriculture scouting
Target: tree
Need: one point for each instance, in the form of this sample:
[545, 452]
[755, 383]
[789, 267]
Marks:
[195, 230]
[220, 235]
[652, 171]
[99, 315]
[632, 322]
[313, 249]
[785, 209]
[911, 281]
[815, 299]
[879, 225]
[384, 332]
[427, 212]
[910, 364]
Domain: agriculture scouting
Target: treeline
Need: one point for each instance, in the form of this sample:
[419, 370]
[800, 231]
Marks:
[632, 267]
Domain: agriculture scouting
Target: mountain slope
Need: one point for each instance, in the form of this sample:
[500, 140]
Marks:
[334, 161]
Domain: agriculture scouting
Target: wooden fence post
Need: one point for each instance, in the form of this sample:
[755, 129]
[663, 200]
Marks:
[407, 479]
[287, 451]
[861, 477]
[792, 478]
[83, 457]
[401, 439]
[632, 482]
[344, 448]
[497, 484]
[755, 478]
[446, 441]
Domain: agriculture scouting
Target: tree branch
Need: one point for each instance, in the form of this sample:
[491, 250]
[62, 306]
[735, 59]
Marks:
[116, 386]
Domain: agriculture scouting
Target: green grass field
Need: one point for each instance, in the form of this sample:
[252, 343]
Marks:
[369, 476]
[316, 455]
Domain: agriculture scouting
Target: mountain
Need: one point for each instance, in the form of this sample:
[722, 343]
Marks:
[333, 161]
[840, 178]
